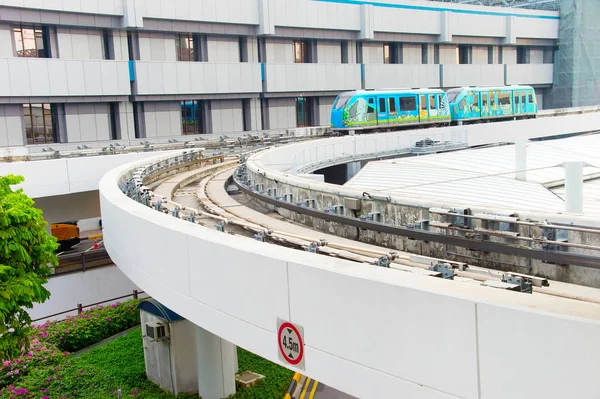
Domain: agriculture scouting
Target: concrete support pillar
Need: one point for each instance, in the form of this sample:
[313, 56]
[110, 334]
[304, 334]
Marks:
[352, 169]
[511, 33]
[366, 22]
[446, 35]
[521, 159]
[573, 187]
[266, 20]
[216, 365]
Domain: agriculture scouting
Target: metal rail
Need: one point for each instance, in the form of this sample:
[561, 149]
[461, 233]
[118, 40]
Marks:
[82, 261]
[135, 294]
[422, 235]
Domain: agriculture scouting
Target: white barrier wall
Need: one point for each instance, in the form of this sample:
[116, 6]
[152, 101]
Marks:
[368, 331]
[86, 288]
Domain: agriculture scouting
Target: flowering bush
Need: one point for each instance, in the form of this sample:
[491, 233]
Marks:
[90, 327]
[40, 354]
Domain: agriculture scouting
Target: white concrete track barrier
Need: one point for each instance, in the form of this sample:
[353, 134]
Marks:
[368, 331]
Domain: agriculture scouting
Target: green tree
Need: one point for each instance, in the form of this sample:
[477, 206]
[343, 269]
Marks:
[26, 253]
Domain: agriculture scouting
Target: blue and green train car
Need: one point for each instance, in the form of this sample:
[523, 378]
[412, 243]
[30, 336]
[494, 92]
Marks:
[387, 109]
[483, 104]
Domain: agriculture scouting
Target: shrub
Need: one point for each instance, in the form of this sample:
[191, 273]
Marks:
[40, 354]
[90, 327]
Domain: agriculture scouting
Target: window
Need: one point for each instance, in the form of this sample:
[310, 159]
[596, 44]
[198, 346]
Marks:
[344, 48]
[115, 133]
[424, 103]
[504, 98]
[476, 99]
[243, 47]
[424, 54]
[342, 100]
[371, 108]
[492, 99]
[301, 51]
[516, 98]
[452, 94]
[436, 54]
[40, 123]
[31, 42]
[432, 102]
[531, 98]
[359, 53]
[303, 112]
[523, 55]
[484, 97]
[392, 105]
[464, 54]
[490, 54]
[191, 117]
[188, 48]
[392, 53]
[381, 104]
[408, 103]
[107, 46]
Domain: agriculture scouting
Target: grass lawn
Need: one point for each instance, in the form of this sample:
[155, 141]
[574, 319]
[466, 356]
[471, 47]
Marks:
[119, 364]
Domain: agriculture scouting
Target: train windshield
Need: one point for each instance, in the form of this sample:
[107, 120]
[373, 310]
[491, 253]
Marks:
[342, 100]
[452, 94]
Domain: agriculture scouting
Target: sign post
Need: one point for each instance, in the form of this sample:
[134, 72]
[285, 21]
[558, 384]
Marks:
[290, 343]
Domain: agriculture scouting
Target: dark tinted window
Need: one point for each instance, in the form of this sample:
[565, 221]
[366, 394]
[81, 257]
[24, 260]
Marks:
[408, 103]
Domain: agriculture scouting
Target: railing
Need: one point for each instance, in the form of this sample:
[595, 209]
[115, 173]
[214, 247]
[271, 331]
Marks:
[82, 261]
[135, 294]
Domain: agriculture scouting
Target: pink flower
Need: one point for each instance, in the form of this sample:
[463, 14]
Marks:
[7, 363]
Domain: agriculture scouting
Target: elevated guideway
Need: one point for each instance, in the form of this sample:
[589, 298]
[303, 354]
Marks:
[372, 332]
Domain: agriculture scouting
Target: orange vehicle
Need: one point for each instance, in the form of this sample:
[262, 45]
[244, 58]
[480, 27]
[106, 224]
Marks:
[67, 235]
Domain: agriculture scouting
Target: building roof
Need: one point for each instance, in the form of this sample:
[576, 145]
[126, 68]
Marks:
[485, 177]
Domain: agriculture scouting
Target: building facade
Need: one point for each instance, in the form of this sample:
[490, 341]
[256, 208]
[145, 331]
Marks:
[91, 72]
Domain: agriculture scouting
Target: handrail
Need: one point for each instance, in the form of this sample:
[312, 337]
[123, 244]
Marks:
[80, 307]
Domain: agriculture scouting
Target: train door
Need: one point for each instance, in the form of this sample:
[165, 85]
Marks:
[485, 108]
[475, 108]
[517, 103]
[524, 106]
[392, 109]
[433, 106]
[371, 112]
[382, 113]
[408, 109]
[423, 111]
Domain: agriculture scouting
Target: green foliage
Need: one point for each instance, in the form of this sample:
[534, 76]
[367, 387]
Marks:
[26, 251]
[90, 327]
[275, 384]
[98, 374]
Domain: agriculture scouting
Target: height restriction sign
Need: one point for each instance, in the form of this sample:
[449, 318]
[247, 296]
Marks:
[291, 343]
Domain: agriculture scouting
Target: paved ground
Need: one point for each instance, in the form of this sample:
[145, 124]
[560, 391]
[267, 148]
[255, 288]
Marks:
[311, 389]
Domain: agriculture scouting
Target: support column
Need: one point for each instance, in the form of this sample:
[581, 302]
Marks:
[216, 366]
[521, 159]
[366, 22]
[573, 187]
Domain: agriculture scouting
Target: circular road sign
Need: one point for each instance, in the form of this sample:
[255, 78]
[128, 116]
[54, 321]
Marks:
[291, 346]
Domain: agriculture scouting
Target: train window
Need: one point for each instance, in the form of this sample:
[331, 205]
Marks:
[343, 100]
[484, 97]
[531, 98]
[452, 94]
[424, 103]
[408, 103]
[371, 106]
[523, 98]
[492, 99]
[431, 101]
[381, 104]
[461, 104]
[504, 98]
[476, 99]
[392, 105]
[516, 98]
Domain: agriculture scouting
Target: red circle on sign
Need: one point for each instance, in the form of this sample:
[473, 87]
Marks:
[292, 327]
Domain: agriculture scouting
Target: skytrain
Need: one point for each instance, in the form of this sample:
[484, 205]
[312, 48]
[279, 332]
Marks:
[367, 110]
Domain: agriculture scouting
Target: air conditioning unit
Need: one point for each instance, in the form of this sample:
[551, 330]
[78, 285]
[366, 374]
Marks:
[156, 331]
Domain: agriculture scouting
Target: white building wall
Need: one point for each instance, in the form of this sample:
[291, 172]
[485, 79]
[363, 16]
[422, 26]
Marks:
[6, 42]
[372, 53]
[80, 44]
[536, 56]
[126, 120]
[412, 53]
[12, 128]
[227, 116]
[480, 55]
[325, 104]
[222, 49]
[329, 52]
[509, 55]
[87, 122]
[448, 54]
[157, 46]
[162, 118]
[120, 45]
[282, 113]
[280, 51]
